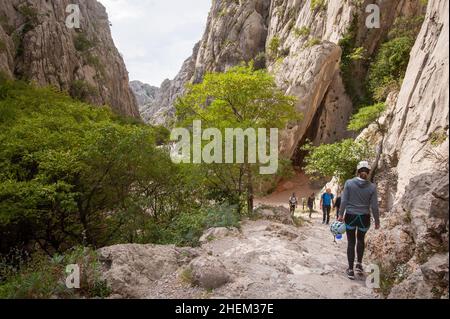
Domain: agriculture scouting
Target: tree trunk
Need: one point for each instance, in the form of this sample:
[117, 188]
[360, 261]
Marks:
[250, 195]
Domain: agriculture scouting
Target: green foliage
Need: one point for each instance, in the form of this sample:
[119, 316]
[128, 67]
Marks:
[302, 32]
[274, 46]
[82, 91]
[162, 135]
[366, 115]
[82, 43]
[339, 159]
[406, 27]
[44, 277]
[312, 42]
[260, 61]
[320, 5]
[223, 12]
[358, 54]
[388, 68]
[73, 174]
[239, 98]
[30, 13]
[387, 71]
[438, 137]
[186, 276]
[352, 56]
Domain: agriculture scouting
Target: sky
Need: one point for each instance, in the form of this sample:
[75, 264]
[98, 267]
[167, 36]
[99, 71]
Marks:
[156, 36]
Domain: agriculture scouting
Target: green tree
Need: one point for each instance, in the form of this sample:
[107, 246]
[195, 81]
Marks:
[388, 70]
[339, 159]
[239, 98]
[72, 174]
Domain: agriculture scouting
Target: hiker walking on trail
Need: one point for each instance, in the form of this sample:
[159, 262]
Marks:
[358, 201]
[326, 202]
[337, 205]
[311, 204]
[293, 202]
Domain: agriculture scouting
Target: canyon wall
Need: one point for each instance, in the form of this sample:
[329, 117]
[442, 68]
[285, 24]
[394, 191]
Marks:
[36, 45]
[412, 174]
[298, 41]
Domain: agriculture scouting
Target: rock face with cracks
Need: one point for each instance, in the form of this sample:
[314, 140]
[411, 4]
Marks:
[36, 45]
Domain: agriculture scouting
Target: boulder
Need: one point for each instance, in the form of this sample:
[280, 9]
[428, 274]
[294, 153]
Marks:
[208, 272]
[130, 269]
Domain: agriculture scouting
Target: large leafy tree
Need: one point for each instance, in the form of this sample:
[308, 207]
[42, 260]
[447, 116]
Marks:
[241, 97]
[75, 174]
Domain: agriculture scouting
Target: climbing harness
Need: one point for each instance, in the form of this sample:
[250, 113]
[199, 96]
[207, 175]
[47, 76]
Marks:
[357, 218]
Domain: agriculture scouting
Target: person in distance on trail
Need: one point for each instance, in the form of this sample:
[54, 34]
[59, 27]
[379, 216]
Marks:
[293, 202]
[337, 205]
[311, 203]
[359, 200]
[326, 201]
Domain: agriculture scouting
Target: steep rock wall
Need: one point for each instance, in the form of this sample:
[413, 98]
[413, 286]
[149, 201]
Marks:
[306, 63]
[36, 45]
[413, 170]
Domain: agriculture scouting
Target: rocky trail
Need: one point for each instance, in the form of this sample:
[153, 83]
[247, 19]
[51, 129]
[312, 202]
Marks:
[267, 258]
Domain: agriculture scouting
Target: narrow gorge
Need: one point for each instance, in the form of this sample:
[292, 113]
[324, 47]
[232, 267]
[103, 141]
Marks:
[75, 174]
[306, 45]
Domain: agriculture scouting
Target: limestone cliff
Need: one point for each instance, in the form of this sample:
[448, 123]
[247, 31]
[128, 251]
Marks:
[36, 45]
[298, 41]
[146, 96]
[412, 172]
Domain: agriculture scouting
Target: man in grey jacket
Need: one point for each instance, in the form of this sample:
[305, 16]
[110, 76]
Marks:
[358, 201]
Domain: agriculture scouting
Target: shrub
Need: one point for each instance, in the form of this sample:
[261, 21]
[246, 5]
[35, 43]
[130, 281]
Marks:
[274, 46]
[302, 32]
[312, 42]
[260, 61]
[366, 115]
[224, 215]
[339, 159]
[186, 276]
[354, 87]
[319, 5]
[82, 43]
[44, 277]
[357, 54]
[388, 69]
[82, 91]
[438, 137]
[30, 13]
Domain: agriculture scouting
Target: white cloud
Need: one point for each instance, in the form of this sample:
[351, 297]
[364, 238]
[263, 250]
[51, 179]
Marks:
[156, 36]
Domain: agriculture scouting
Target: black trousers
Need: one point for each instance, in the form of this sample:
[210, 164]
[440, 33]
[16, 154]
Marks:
[357, 227]
[326, 213]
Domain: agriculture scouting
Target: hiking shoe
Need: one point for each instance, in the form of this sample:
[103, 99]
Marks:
[359, 269]
[350, 274]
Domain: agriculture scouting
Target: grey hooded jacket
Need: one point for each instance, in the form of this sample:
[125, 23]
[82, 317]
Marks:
[359, 198]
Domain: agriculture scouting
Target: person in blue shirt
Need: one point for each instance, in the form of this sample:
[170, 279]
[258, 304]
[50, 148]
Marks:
[326, 202]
